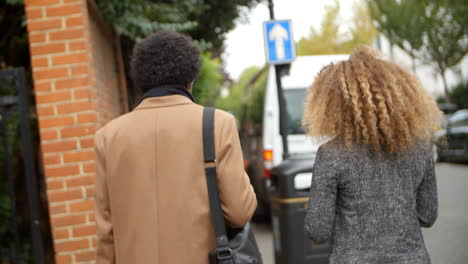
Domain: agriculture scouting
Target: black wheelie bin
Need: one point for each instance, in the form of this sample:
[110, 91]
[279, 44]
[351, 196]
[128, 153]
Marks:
[288, 205]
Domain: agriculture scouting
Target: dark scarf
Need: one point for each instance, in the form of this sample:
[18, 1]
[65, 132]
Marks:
[166, 90]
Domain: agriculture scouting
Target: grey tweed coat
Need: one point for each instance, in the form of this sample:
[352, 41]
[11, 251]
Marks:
[371, 206]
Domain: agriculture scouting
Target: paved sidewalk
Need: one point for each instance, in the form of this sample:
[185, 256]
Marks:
[264, 237]
[446, 241]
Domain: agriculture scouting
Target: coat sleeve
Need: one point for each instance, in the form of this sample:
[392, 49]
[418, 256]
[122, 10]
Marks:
[320, 214]
[426, 200]
[105, 253]
[237, 195]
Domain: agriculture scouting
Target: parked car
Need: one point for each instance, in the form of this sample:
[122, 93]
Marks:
[301, 75]
[448, 110]
[452, 141]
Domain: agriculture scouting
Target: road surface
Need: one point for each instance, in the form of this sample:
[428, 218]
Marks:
[446, 241]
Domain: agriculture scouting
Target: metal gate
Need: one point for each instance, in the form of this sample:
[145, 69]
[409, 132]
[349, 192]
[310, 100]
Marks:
[17, 164]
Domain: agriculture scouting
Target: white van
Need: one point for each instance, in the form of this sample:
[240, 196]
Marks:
[301, 75]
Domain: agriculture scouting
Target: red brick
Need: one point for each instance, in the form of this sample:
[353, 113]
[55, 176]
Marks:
[45, 110]
[74, 21]
[66, 34]
[74, 107]
[77, 131]
[68, 220]
[57, 209]
[90, 192]
[87, 118]
[89, 168]
[39, 62]
[63, 259]
[69, 59]
[43, 49]
[43, 87]
[33, 13]
[50, 73]
[49, 135]
[85, 256]
[78, 45]
[52, 160]
[81, 94]
[63, 10]
[91, 217]
[81, 181]
[53, 97]
[87, 143]
[67, 170]
[30, 3]
[61, 196]
[84, 230]
[37, 37]
[71, 245]
[80, 69]
[37, 25]
[61, 234]
[58, 146]
[71, 83]
[78, 156]
[55, 184]
[55, 122]
[82, 207]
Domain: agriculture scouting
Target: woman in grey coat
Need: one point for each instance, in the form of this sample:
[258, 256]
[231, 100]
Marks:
[374, 183]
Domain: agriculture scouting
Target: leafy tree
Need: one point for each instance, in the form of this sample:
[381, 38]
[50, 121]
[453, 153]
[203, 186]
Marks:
[329, 39]
[14, 49]
[362, 30]
[402, 22]
[208, 83]
[325, 41]
[206, 21]
[446, 36]
[458, 95]
[433, 31]
[139, 18]
[256, 99]
[233, 102]
[215, 18]
[246, 97]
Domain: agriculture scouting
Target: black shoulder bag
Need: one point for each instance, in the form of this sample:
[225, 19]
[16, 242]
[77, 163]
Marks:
[241, 247]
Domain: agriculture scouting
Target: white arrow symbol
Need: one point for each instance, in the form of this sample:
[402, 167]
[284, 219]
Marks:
[279, 34]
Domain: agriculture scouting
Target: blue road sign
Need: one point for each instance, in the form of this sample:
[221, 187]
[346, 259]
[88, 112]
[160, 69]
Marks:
[279, 42]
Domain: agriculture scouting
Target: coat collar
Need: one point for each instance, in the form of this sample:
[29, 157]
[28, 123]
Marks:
[163, 101]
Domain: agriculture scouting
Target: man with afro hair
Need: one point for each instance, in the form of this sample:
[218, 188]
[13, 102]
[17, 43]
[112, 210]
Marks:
[152, 202]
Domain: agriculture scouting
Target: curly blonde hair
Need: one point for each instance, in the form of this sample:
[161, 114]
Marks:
[368, 101]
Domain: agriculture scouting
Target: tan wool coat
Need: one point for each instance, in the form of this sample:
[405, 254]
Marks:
[151, 195]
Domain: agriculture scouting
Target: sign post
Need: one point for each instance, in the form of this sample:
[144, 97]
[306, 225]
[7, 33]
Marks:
[280, 51]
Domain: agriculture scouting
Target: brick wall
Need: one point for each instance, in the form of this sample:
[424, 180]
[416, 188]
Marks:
[79, 86]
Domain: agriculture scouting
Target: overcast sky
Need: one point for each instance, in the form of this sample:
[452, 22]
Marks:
[244, 44]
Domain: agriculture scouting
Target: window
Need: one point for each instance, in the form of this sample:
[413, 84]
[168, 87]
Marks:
[295, 99]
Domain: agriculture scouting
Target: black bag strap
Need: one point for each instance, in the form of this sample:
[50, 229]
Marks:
[210, 170]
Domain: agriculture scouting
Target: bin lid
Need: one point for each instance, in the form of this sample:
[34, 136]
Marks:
[294, 165]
